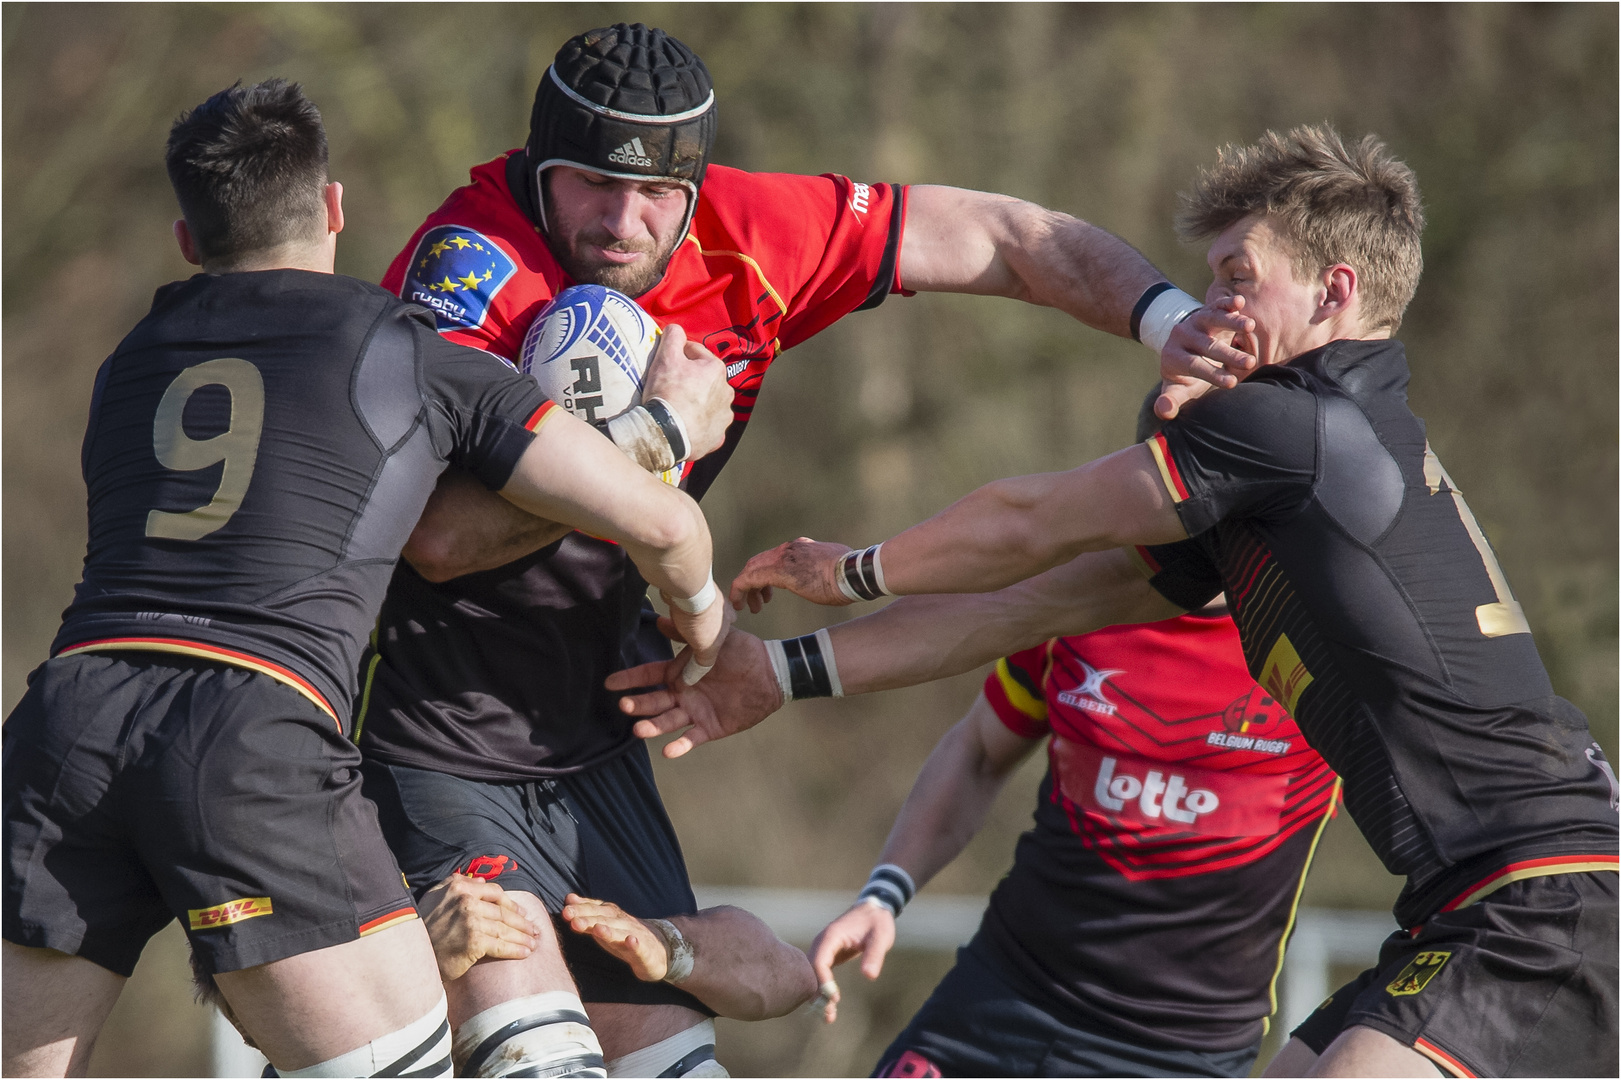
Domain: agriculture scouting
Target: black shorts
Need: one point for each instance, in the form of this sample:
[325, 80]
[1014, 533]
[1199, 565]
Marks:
[975, 1024]
[143, 787]
[1522, 983]
[602, 833]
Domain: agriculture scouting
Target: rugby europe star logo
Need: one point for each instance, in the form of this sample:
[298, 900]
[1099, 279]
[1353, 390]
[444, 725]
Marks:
[456, 272]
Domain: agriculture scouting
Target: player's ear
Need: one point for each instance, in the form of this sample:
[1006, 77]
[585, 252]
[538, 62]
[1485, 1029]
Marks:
[188, 246]
[334, 207]
[1339, 288]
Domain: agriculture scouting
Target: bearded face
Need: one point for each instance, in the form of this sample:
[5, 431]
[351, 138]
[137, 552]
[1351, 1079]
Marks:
[612, 232]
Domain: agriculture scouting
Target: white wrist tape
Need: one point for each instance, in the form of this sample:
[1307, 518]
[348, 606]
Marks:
[1167, 309]
[698, 602]
[677, 946]
[636, 433]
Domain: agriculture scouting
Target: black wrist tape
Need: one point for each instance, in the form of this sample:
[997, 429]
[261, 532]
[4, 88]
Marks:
[859, 569]
[807, 671]
[660, 413]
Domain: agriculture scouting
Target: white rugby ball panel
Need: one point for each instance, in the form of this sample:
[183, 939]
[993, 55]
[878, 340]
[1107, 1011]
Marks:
[588, 350]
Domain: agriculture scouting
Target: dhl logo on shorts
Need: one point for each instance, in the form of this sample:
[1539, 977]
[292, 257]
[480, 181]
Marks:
[1417, 975]
[233, 911]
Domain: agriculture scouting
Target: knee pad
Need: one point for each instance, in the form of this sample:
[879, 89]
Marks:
[540, 1035]
[420, 1048]
[689, 1053]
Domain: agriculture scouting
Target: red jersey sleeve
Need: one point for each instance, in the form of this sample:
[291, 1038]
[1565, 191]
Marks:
[1016, 690]
[825, 245]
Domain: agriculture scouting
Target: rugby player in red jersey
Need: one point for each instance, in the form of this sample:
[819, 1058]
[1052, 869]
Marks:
[1140, 930]
[489, 739]
[1367, 601]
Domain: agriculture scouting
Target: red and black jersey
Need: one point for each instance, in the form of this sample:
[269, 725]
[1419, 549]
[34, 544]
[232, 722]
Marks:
[1369, 602]
[1175, 824]
[498, 675]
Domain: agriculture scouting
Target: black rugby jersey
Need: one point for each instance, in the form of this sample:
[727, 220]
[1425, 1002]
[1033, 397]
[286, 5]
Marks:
[1370, 604]
[259, 448]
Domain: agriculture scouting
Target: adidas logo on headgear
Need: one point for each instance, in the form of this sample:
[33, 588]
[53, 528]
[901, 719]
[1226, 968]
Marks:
[631, 154]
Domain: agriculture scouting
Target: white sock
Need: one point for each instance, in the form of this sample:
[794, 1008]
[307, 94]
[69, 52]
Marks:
[532, 1035]
[660, 1058]
[417, 1046]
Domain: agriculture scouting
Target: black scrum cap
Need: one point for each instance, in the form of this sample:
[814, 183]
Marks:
[626, 101]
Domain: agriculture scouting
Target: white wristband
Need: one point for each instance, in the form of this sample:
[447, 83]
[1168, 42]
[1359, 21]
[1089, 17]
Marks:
[779, 668]
[698, 602]
[677, 946]
[636, 433]
[1164, 312]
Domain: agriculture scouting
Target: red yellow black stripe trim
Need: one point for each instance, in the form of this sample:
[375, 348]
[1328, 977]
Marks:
[541, 415]
[1294, 905]
[1145, 563]
[1531, 868]
[210, 652]
[383, 922]
[1441, 1058]
[1167, 468]
[1017, 696]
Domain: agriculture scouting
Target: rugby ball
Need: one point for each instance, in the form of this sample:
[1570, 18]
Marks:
[588, 349]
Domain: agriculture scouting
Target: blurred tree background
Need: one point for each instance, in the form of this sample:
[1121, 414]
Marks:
[1506, 112]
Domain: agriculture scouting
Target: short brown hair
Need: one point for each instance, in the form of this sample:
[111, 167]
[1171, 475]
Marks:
[249, 169]
[1356, 204]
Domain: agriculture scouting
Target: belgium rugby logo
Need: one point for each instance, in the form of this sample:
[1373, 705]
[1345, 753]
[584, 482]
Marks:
[1417, 975]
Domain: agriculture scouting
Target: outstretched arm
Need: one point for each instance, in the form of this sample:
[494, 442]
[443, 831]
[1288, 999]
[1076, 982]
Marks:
[976, 242]
[1004, 532]
[916, 639]
[465, 528]
[945, 809]
[739, 967]
[572, 475]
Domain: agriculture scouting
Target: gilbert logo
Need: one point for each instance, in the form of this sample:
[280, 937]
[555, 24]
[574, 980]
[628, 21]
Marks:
[1089, 695]
[631, 154]
[1155, 794]
[225, 914]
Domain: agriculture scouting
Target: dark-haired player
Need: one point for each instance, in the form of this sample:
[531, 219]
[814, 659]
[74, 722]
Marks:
[485, 692]
[259, 447]
[1367, 600]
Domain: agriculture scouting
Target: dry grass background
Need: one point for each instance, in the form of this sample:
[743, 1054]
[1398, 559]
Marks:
[1508, 114]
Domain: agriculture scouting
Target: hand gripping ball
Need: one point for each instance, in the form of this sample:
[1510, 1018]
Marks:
[588, 349]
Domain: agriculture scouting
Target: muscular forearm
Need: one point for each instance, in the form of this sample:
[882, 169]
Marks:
[919, 639]
[976, 242]
[572, 475]
[466, 528]
[1011, 529]
[740, 968]
[953, 793]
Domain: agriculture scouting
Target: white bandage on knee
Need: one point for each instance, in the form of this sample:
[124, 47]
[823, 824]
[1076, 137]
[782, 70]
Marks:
[688, 1053]
[540, 1035]
[420, 1048]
